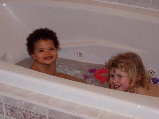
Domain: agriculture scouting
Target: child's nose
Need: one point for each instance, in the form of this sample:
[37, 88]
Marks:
[47, 52]
[115, 80]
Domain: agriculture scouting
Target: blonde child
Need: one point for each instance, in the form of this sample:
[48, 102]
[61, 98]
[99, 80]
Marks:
[127, 73]
[42, 46]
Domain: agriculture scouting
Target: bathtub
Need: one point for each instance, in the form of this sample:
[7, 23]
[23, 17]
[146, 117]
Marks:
[88, 31]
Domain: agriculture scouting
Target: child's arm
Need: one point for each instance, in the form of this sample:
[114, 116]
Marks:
[69, 77]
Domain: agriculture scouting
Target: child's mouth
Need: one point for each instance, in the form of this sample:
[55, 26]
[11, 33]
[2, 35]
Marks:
[116, 87]
[48, 58]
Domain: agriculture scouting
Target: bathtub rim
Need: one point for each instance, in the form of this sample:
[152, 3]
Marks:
[97, 95]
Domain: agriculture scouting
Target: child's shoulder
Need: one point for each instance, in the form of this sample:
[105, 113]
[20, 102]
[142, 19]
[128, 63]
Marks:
[141, 90]
[152, 91]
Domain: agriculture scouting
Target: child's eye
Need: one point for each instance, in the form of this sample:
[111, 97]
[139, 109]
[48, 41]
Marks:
[111, 76]
[119, 76]
[41, 50]
[52, 48]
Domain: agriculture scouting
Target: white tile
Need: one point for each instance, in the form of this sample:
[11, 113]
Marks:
[64, 115]
[38, 98]
[155, 4]
[1, 98]
[24, 105]
[75, 108]
[1, 116]
[110, 115]
[5, 88]
[7, 117]
[1, 108]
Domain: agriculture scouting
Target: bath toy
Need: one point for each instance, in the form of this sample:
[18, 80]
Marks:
[85, 76]
[155, 80]
[92, 70]
[101, 74]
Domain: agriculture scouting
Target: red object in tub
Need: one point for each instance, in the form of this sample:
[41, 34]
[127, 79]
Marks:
[101, 75]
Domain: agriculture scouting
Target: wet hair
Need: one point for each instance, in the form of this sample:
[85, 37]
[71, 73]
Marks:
[41, 34]
[133, 66]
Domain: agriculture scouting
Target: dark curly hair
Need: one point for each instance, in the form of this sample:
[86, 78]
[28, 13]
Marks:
[41, 34]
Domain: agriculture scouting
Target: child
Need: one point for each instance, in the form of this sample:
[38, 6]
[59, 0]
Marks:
[42, 46]
[127, 73]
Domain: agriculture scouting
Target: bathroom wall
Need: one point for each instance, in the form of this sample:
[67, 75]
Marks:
[151, 4]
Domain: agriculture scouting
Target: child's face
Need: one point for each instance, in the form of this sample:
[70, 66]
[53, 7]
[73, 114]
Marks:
[44, 52]
[119, 79]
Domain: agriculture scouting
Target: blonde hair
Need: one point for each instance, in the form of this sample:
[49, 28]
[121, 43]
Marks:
[134, 67]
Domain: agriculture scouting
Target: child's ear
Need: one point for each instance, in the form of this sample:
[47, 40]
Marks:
[138, 77]
[32, 55]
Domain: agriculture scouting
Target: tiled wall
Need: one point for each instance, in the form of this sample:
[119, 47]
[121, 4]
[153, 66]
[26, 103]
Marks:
[24, 104]
[17, 103]
[19, 109]
[151, 4]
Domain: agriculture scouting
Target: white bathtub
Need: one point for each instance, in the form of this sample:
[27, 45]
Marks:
[89, 31]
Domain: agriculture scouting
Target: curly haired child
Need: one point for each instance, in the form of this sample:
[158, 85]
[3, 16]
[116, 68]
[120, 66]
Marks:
[127, 73]
[42, 46]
